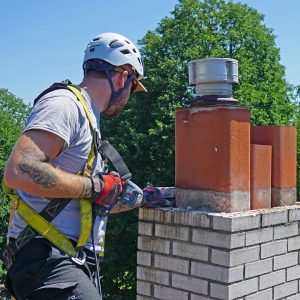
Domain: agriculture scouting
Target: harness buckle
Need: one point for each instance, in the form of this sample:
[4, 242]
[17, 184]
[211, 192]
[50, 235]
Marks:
[79, 258]
[97, 139]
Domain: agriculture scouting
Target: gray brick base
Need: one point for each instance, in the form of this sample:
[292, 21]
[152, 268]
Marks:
[194, 255]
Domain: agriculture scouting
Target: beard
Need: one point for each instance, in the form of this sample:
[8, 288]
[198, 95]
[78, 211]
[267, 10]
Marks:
[118, 105]
[111, 113]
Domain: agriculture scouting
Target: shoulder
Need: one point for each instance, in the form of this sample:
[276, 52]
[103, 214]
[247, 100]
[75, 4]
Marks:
[57, 112]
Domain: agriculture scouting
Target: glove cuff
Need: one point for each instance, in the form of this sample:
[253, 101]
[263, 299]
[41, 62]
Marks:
[97, 187]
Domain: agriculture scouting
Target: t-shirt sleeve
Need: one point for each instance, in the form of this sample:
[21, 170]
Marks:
[55, 114]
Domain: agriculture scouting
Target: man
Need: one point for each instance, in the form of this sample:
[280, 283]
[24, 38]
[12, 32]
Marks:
[47, 164]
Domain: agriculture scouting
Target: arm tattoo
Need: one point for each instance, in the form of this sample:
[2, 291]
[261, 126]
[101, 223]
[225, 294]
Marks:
[34, 163]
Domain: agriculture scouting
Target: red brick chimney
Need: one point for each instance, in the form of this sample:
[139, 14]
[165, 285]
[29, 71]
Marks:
[215, 169]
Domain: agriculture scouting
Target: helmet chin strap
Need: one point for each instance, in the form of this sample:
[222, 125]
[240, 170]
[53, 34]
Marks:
[115, 94]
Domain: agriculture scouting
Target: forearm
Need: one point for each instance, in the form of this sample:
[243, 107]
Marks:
[31, 172]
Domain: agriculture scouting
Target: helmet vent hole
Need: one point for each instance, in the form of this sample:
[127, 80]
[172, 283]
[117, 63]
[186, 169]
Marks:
[96, 39]
[92, 49]
[134, 50]
[115, 44]
[127, 42]
[139, 60]
[125, 51]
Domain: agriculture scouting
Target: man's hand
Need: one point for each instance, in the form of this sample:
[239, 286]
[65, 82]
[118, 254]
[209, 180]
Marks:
[106, 189]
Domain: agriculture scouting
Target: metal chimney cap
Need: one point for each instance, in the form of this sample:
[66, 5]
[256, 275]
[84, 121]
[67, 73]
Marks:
[214, 59]
[213, 76]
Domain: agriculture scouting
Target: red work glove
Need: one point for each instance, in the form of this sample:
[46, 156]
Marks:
[106, 188]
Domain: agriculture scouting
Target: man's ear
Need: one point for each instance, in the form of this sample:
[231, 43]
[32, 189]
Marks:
[122, 78]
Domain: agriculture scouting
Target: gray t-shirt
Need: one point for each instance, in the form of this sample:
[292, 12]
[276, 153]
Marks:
[60, 112]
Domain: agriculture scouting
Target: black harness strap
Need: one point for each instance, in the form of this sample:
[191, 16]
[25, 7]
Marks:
[53, 87]
[8, 254]
[115, 158]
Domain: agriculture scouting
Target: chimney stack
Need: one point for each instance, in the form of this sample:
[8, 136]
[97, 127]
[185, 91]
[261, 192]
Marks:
[213, 141]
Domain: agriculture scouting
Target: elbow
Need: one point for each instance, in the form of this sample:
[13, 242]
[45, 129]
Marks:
[10, 178]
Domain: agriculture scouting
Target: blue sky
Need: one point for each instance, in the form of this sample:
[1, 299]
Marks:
[43, 41]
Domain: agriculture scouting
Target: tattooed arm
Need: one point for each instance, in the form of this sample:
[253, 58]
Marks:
[28, 168]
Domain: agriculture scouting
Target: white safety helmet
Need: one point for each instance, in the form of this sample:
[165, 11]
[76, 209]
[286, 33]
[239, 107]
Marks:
[117, 50]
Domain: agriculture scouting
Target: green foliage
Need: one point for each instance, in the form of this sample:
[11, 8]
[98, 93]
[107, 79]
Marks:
[13, 113]
[144, 132]
[118, 269]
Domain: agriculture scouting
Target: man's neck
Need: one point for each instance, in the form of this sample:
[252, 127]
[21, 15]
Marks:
[97, 90]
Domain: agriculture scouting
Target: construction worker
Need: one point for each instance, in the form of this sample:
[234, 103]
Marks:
[54, 161]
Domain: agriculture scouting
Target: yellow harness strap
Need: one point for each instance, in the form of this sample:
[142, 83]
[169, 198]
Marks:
[80, 98]
[85, 204]
[45, 228]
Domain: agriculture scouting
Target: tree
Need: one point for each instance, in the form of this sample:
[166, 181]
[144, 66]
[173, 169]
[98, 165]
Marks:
[13, 114]
[144, 133]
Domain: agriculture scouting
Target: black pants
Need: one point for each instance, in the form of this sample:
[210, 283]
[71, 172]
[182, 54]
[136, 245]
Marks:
[43, 272]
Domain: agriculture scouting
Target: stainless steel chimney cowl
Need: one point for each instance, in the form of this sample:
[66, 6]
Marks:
[213, 76]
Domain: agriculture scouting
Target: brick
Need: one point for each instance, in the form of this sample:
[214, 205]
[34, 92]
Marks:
[216, 273]
[271, 279]
[190, 251]
[153, 275]
[143, 288]
[146, 214]
[274, 216]
[283, 142]
[190, 284]
[166, 293]
[286, 260]
[213, 201]
[195, 219]
[234, 222]
[235, 290]
[197, 165]
[284, 197]
[144, 258]
[273, 248]
[140, 297]
[285, 289]
[218, 239]
[156, 215]
[259, 236]
[263, 295]
[294, 243]
[258, 267]
[198, 297]
[171, 263]
[163, 216]
[285, 231]
[172, 232]
[153, 244]
[294, 213]
[235, 257]
[145, 228]
[294, 297]
[293, 273]
[260, 176]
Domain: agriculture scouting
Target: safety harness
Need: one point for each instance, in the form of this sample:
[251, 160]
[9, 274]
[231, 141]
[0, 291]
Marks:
[40, 223]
